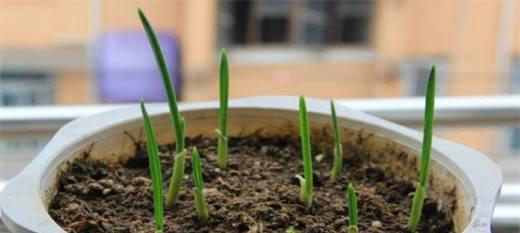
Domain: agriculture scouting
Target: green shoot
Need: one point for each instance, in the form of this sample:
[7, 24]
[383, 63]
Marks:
[200, 202]
[352, 210]
[338, 148]
[306, 183]
[420, 192]
[222, 114]
[290, 230]
[155, 169]
[178, 172]
[170, 92]
[172, 102]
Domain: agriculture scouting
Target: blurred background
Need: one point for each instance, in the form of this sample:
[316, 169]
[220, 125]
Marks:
[84, 55]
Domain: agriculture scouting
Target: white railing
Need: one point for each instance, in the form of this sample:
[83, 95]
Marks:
[449, 111]
[480, 111]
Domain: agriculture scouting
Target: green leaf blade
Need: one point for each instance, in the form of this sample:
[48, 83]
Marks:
[306, 153]
[197, 169]
[338, 149]
[176, 178]
[170, 91]
[175, 115]
[200, 201]
[155, 170]
[428, 127]
[420, 192]
[224, 92]
[352, 207]
[222, 152]
[417, 206]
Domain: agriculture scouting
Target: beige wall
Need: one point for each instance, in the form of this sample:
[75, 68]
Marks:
[341, 80]
[431, 27]
[73, 88]
[45, 23]
[122, 15]
[516, 32]
[199, 36]
[475, 59]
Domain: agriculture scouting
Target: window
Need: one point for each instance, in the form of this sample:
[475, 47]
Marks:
[349, 21]
[272, 18]
[289, 22]
[22, 145]
[416, 71]
[514, 133]
[22, 88]
[515, 76]
[514, 141]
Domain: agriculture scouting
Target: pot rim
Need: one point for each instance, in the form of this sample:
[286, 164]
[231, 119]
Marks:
[22, 208]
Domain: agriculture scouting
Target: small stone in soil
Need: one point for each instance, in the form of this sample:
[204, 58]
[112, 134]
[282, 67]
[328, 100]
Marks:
[377, 224]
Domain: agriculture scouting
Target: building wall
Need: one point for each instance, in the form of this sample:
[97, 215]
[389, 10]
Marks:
[341, 80]
[47, 23]
[73, 88]
[516, 30]
[464, 33]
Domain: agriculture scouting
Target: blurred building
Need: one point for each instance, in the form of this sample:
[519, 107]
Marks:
[327, 49]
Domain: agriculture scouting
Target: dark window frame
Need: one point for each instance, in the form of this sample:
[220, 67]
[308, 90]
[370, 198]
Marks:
[26, 88]
[296, 24]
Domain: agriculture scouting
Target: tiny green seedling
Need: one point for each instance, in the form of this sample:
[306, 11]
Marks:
[200, 201]
[306, 183]
[290, 230]
[420, 191]
[222, 114]
[352, 210]
[178, 122]
[155, 169]
[338, 148]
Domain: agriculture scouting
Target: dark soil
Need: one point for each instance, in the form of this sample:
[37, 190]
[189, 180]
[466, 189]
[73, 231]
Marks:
[256, 193]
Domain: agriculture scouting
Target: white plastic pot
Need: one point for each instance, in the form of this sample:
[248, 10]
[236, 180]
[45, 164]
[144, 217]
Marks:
[456, 171]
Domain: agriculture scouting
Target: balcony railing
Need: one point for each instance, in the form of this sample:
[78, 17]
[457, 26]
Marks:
[488, 111]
